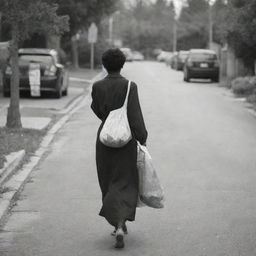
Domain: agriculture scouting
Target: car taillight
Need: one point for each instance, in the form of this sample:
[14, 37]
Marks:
[50, 71]
[8, 70]
[189, 63]
[216, 64]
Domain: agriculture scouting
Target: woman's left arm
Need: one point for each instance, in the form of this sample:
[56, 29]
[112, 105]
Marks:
[95, 105]
[135, 116]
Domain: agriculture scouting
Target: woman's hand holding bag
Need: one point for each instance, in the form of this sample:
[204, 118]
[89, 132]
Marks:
[150, 190]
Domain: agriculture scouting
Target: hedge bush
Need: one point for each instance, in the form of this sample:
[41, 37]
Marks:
[244, 85]
[252, 97]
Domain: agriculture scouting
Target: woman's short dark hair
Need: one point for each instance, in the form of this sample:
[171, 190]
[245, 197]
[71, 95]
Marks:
[113, 60]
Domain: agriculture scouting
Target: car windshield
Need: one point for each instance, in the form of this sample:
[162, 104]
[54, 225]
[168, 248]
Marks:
[26, 59]
[203, 56]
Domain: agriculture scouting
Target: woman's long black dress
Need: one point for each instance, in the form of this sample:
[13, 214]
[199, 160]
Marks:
[116, 167]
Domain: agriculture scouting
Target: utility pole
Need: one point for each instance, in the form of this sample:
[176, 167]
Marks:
[110, 26]
[174, 27]
[210, 25]
[174, 33]
[92, 39]
[0, 26]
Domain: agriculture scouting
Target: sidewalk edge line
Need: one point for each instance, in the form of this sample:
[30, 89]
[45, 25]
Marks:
[75, 79]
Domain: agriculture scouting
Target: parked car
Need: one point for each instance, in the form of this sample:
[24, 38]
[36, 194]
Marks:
[180, 60]
[156, 52]
[201, 63]
[137, 56]
[52, 76]
[173, 60]
[163, 56]
[168, 59]
[128, 53]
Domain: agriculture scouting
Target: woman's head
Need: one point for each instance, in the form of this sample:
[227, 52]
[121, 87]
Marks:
[113, 60]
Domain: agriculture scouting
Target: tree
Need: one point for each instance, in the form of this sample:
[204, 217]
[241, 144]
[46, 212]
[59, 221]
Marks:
[81, 14]
[147, 25]
[220, 24]
[25, 18]
[193, 25]
[241, 30]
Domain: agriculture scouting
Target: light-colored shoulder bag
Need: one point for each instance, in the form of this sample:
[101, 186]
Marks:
[116, 130]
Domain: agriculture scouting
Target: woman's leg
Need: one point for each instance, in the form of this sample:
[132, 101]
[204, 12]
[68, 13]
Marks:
[120, 235]
[124, 227]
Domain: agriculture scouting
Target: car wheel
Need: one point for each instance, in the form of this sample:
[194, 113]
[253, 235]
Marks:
[65, 92]
[58, 94]
[65, 84]
[216, 79]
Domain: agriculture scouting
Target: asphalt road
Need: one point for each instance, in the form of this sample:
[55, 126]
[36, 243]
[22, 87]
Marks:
[203, 144]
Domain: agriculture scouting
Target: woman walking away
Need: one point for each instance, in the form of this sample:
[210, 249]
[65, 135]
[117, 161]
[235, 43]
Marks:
[116, 167]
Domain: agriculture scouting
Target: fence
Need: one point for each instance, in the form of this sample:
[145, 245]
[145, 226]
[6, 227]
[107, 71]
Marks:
[231, 66]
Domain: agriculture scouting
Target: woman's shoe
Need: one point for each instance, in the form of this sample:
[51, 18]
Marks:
[119, 239]
[113, 233]
[124, 229]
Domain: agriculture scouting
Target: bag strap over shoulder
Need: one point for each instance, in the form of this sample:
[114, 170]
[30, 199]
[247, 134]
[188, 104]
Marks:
[127, 93]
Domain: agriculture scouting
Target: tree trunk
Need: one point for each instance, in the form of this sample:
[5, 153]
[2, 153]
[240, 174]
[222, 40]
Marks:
[13, 115]
[74, 52]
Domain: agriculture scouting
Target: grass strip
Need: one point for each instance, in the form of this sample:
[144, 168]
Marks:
[12, 140]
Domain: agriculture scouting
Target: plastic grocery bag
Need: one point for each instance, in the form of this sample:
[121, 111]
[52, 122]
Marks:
[150, 190]
[116, 130]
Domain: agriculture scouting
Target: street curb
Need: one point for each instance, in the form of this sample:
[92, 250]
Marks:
[13, 161]
[74, 79]
[16, 183]
[252, 112]
[234, 97]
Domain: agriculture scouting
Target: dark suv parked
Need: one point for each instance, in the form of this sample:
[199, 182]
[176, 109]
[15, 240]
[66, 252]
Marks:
[201, 63]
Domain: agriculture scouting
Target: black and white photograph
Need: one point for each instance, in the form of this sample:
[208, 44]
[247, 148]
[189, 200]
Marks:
[128, 127]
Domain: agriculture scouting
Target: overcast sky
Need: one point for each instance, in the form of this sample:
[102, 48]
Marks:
[178, 4]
